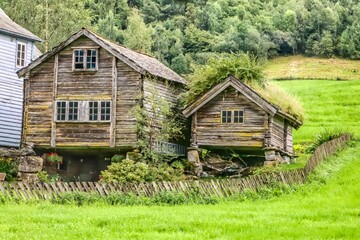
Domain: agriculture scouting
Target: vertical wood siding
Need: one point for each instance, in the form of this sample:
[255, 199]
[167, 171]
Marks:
[11, 91]
[211, 132]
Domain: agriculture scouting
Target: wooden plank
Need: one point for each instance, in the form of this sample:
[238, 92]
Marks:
[51, 193]
[113, 104]
[24, 190]
[99, 189]
[53, 123]
[2, 189]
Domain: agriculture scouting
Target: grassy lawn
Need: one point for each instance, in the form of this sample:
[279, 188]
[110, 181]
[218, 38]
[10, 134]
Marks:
[327, 104]
[300, 67]
[315, 211]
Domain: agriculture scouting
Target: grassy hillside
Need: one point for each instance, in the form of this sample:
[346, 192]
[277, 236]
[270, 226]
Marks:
[316, 211]
[300, 67]
[327, 104]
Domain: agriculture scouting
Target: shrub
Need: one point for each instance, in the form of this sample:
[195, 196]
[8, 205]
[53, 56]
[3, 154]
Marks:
[9, 166]
[126, 171]
[43, 176]
[325, 135]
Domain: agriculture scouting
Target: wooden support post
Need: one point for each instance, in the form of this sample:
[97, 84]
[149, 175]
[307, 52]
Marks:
[113, 104]
[53, 123]
[194, 129]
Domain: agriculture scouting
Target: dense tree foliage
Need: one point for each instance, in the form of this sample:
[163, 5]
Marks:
[183, 32]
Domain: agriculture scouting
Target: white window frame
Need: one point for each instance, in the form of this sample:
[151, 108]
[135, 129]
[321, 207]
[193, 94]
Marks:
[83, 111]
[99, 111]
[85, 59]
[232, 112]
[20, 58]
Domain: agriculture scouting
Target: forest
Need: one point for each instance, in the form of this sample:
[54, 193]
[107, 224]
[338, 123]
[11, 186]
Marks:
[186, 33]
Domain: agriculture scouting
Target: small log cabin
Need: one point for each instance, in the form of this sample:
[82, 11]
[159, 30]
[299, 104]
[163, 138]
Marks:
[17, 49]
[79, 97]
[232, 115]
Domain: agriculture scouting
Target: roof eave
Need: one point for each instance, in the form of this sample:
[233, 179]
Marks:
[26, 37]
[295, 122]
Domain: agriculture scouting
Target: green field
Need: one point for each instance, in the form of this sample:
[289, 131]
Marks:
[314, 211]
[300, 67]
[327, 104]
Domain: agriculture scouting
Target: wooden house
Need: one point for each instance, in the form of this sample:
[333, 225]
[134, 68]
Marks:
[79, 97]
[17, 49]
[232, 115]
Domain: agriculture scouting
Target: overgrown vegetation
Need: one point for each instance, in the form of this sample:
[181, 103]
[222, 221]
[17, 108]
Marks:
[325, 135]
[247, 69]
[9, 166]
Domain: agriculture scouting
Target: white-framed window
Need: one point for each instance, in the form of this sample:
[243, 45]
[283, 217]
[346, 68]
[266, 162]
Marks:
[99, 111]
[20, 54]
[83, 111]
[67, 111]
[85, 59]
[232, 116]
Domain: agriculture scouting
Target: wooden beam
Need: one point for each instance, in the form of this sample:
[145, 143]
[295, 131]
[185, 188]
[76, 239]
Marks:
[53, 123]
[113, 104]
[194, 129]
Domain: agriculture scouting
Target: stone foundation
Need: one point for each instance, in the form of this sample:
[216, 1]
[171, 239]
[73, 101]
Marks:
[273, 158]
[29, 165]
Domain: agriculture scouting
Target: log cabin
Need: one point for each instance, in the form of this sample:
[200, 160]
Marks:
[17, 49]
[79, 97]
[231, 115]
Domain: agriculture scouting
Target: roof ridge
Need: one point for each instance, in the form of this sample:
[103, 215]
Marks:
[117, 43]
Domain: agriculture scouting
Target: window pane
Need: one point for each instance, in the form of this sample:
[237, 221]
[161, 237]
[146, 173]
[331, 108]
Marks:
[20, 55]
[105, 111]
[79, 59]
[93, 111]
[91, 58]
[238, 116]
[73, 111]
[226, 117]
[61, 110]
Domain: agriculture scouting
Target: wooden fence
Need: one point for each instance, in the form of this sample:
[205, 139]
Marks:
[216, 187]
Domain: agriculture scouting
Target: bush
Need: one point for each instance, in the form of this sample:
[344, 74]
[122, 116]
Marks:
[126, 171]
[9, 166]
[325, 135]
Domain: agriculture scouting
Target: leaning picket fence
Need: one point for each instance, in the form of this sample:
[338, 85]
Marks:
[216, 187]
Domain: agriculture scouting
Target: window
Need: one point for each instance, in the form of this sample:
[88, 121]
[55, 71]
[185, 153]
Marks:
[73, 111]
[105, 111]
[226, 117]
[20, 54]
[238, 116]
[232, 116]
[93, 111]
[85, 59]
[83, 111]
[61, 111]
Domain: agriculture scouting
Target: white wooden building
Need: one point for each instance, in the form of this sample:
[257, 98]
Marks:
[17, 50]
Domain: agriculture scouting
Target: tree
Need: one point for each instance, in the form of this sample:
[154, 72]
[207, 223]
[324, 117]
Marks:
[51, 20]
[137, 35]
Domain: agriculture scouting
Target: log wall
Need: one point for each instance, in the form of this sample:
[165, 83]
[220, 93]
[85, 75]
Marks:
[211, 132]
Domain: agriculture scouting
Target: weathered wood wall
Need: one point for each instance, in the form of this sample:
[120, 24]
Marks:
[128, 94]
[55, 80]
[211, 132]
[281, 134]
[39, 105]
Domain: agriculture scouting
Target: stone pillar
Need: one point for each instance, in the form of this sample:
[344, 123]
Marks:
[29, 167]
[194, 160]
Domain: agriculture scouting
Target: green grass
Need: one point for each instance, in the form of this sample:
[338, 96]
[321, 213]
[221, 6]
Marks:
[315, 211]
[327, 104]
[300, 67]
